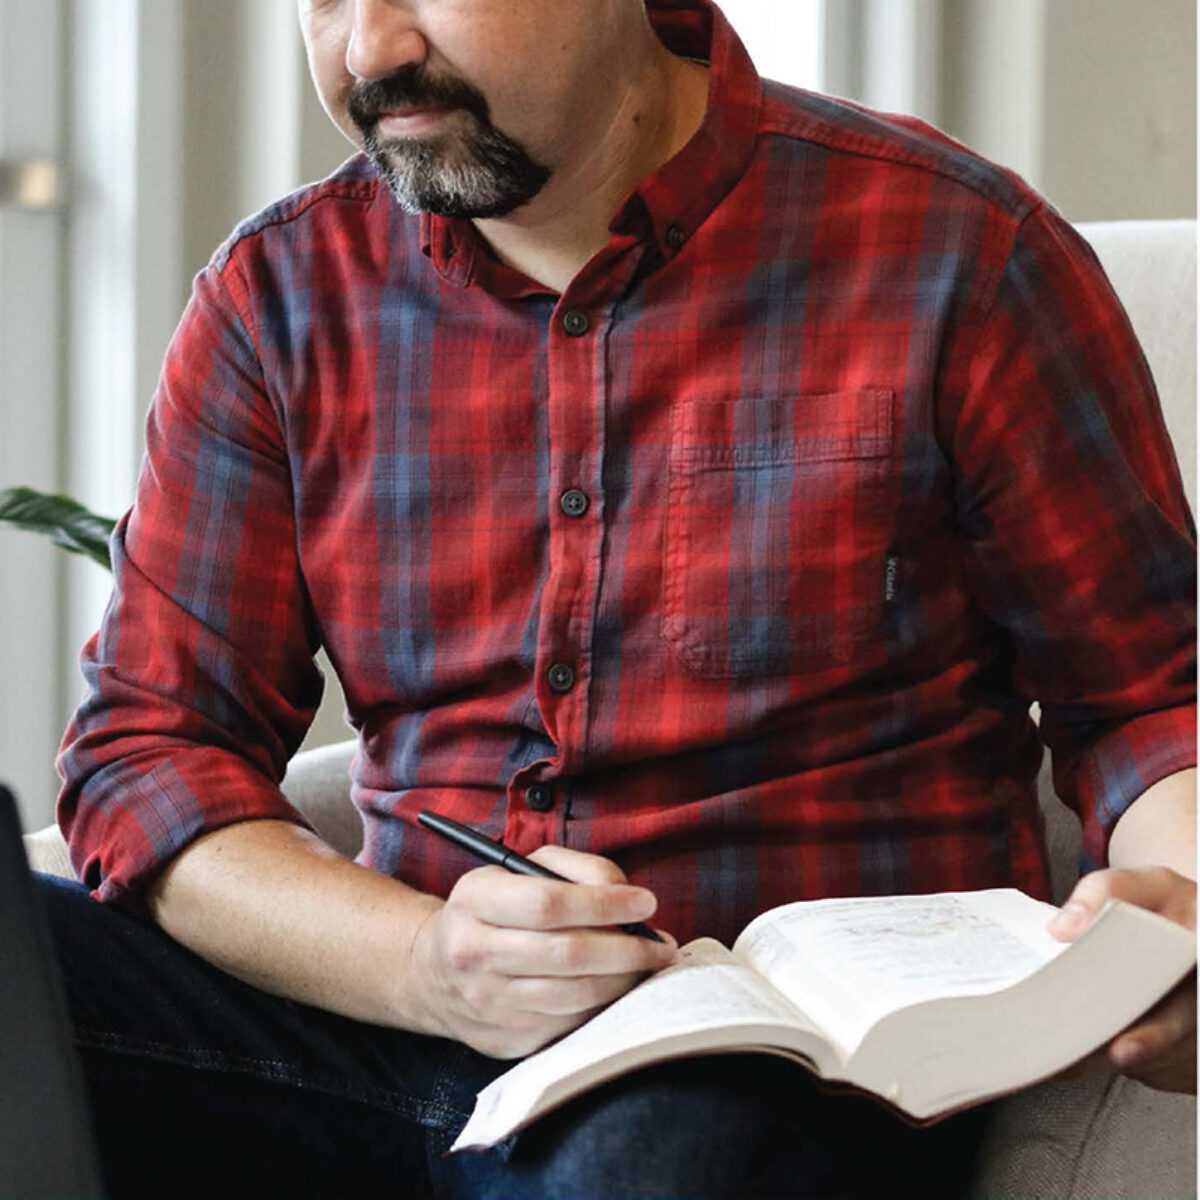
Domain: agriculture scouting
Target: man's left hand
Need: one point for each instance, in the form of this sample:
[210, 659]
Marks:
[1159, 1049]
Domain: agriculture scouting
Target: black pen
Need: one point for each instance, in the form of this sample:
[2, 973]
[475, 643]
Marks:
[498, 853]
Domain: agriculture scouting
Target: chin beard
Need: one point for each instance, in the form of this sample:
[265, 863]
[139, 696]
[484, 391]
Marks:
[487, 175]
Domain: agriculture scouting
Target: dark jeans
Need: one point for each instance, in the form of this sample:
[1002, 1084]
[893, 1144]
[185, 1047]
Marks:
[203, 1086]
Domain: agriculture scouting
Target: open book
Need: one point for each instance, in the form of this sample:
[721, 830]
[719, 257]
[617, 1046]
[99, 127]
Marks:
[932, 1003]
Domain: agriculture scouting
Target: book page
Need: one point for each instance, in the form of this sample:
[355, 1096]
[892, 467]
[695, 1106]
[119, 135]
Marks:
[848, 963]
[704, 989]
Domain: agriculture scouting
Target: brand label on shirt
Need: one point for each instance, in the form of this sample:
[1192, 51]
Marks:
[891, 572]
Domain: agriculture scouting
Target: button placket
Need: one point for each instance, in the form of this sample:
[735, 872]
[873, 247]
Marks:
[579, 383]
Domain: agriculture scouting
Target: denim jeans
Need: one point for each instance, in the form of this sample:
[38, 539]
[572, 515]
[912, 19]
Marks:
[203, 1086]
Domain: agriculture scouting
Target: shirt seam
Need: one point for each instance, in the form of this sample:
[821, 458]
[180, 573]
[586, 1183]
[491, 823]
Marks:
[865, 146]
[359, 191]
[994, 284]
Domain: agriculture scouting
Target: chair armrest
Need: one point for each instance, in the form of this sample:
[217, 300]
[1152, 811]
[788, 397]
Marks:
[1083, 1139]
[47, 852]
[318, 784]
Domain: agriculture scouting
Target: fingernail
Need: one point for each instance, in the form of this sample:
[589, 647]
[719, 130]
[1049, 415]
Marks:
[1070, 918]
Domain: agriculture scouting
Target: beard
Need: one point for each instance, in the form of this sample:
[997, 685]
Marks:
[473, 172]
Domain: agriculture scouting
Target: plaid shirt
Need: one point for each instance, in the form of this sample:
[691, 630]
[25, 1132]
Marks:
[740, 561]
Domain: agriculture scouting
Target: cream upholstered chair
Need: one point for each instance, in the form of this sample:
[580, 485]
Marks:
[1101, 1137]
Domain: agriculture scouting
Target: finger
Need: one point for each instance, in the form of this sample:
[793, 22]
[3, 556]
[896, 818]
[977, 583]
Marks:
[578, 866]
[573, 953]
[1156, 888]
[521, 902]
[1170, 1023]
[555, 996]
[1173, 1071]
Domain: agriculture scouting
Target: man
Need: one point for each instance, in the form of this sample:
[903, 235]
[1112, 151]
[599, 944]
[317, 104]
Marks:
[683, 473]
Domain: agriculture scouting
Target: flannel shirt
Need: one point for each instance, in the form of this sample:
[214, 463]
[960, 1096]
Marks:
[740, 561]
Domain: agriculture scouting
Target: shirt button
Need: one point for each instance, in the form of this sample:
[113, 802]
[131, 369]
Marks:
[574, 502]
[576, 323]
[539, 797]
[560, 677]
[675, 237]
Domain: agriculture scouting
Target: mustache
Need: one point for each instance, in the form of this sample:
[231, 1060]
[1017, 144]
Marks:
[411, 87]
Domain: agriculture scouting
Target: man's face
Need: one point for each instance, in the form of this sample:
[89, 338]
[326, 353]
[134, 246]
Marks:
[466, 107]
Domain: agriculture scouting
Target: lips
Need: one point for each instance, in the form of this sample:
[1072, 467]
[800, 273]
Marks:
[413, 111]
[409, 122]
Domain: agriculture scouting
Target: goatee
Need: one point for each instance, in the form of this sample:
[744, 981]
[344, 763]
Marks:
[472, 172]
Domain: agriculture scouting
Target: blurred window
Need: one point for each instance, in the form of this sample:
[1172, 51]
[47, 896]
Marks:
[31, 254]
[784, 37]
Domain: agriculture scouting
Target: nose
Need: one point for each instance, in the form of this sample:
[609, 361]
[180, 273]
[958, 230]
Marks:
[383, 37]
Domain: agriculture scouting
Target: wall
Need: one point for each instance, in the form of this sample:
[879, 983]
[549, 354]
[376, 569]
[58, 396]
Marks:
[1120, 103]
[253, 127]
[1094, 101]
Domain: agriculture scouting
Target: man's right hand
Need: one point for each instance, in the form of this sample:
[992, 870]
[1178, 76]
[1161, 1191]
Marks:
[510, 962]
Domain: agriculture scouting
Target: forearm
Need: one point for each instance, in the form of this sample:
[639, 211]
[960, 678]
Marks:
[270, 903]
[1159, 828]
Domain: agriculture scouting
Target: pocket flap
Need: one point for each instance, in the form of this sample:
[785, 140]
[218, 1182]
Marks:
[816, 427]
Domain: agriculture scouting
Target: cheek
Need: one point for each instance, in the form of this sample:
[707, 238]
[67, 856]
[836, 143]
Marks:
[326, 53]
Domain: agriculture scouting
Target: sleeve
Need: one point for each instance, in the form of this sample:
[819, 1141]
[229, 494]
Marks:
[201, 681]
[1079, 539]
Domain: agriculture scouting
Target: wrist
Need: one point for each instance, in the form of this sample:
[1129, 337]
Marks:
[418, 1007]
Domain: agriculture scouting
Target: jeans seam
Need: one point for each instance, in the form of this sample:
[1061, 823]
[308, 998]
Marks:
[429, 1113]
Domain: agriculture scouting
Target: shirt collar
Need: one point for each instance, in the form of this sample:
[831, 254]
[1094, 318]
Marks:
[672, 203]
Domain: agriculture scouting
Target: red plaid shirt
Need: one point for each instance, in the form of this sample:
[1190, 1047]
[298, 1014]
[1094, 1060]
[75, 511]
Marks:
[740, 562]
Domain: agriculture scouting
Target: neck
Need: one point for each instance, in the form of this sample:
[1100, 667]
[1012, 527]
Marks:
[554, 235]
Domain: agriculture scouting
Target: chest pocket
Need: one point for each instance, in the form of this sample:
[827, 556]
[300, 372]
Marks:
[779, 520]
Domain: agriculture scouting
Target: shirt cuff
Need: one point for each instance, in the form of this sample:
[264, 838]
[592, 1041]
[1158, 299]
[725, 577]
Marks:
[1107, 777]
[118, 849]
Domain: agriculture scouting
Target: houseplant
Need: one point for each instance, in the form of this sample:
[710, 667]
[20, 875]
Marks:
[63, 520]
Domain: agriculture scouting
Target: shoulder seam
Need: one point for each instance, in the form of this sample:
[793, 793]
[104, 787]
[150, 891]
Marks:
[1014, 205]
[362, 191]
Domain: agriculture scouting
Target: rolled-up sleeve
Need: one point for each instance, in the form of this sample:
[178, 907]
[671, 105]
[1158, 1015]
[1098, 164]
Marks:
[1079, 539]
[201, 681]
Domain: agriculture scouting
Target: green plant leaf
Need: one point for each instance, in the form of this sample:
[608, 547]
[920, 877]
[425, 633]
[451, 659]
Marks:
[64, 521]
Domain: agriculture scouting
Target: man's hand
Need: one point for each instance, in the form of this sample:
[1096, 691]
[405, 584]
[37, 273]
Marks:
[1160, 1048]
[509, 963]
